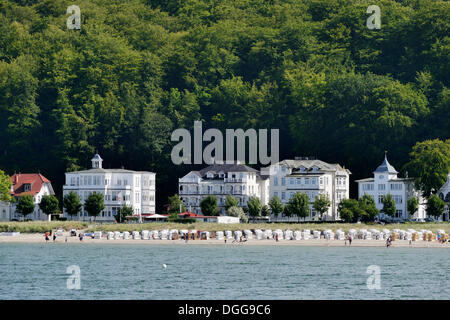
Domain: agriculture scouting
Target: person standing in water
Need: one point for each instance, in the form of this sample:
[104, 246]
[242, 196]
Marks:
[54, 237]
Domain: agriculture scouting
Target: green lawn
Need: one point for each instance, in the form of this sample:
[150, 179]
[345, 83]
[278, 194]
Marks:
[40, 226]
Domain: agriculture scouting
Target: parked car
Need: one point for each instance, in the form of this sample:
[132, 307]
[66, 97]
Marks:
[428, 219]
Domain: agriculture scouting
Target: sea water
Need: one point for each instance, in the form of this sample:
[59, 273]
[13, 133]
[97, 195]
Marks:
[122, 271]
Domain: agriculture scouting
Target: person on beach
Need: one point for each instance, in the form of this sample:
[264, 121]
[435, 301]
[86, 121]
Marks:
[66, 239]
[349, 240]
[276, 237]
[346, 238]
[54, 237]
[225, 238]
[81, 236]
[46, 237]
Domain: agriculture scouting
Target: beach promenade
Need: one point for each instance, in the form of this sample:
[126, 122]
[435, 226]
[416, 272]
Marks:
[39, 238]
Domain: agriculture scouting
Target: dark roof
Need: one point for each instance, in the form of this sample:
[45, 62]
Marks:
[385, 167]
[234, 167]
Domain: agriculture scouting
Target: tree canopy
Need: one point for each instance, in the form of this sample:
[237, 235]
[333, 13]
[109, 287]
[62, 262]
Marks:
[49, 204]
[209, 206]
[72, 203]
[138, 69]
[94, 204]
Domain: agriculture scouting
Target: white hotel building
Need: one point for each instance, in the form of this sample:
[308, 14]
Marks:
[312, 177]
[220, 180]
[386, 181]
[119, 187]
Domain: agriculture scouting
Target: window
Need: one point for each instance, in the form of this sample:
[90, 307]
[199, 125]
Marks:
[320, 180]
[283, 195]
[396, 186]
[137, 197]
[398, 199]
[138, 181]
[283, 168]
[306, 180]
[275, 194]
[381, 187]
[283, 181]
[97, 180]
[380, 198]
[368, 186]
[299, 180]
[399, 213]
[291, 181]
[275, 181]
[27, 187]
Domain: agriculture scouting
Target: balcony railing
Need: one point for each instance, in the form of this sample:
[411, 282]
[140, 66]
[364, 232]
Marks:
[237, 180]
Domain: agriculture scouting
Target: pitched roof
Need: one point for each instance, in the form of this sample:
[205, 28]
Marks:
[228, 167]
[309, 164]
[386, 167]
[101, 170]
[35, 180]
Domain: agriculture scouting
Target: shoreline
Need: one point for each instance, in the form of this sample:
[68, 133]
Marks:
[39, 238]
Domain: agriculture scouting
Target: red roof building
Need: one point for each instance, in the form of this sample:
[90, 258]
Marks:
[34, 184]
[29, 183]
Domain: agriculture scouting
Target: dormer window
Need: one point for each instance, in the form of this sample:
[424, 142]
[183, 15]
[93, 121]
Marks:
[27, 187]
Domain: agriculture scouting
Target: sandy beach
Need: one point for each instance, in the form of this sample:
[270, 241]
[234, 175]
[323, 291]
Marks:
[39, 238]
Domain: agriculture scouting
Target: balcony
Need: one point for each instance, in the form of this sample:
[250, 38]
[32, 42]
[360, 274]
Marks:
[188, 192]
[235, 180]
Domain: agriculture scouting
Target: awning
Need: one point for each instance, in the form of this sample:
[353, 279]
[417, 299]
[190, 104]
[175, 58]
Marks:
[154, 216]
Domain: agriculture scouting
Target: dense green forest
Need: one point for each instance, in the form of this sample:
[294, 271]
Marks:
[138, 69]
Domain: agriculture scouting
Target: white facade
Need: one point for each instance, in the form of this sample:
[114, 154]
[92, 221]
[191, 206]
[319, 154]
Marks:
[312, 177]
[386, 181]
[444, 194]
[220, 180]
[5, 211]
[119, 188]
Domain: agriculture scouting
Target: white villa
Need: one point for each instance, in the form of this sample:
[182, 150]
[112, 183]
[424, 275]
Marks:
[386, 181]
[34, 184]
[444, 194]
[222, 179]
[312, 177]
[119, 187]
